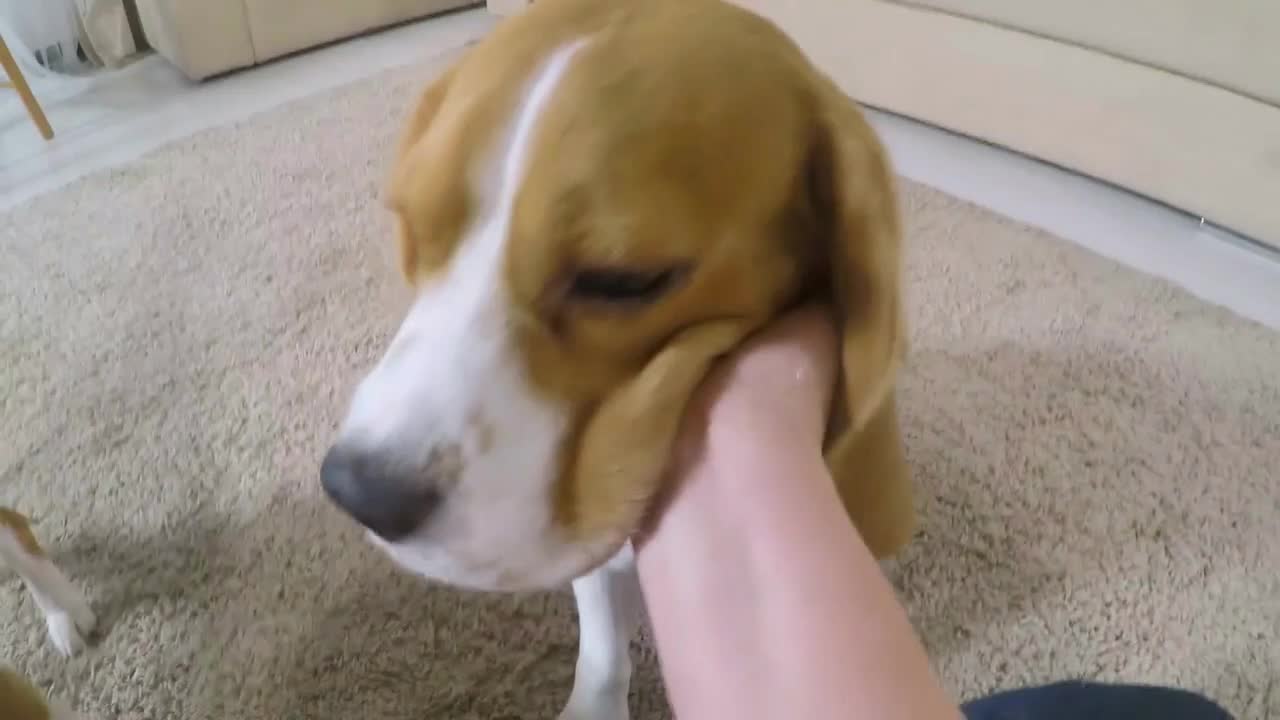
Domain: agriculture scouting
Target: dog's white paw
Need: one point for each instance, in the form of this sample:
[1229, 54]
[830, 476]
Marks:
[596, 706]
[69, 628]
[66, 637]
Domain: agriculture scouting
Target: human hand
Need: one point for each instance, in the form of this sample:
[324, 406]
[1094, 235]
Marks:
[779, 382]
[763, 406]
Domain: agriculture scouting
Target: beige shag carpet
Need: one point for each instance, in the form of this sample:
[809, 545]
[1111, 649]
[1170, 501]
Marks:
[1098, 452]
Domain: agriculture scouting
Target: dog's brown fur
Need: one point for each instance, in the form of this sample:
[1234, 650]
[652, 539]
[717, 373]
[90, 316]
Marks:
[772, 185]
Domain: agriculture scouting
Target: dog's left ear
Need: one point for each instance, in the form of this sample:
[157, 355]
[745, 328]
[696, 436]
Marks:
[851, 190]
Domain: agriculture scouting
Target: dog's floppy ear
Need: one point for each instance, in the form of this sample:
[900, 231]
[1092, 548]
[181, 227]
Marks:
[425, 111]
[853, 195]
[412, 178]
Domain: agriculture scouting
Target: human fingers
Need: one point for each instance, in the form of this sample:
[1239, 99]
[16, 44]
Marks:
[785, 374]
[765, 404]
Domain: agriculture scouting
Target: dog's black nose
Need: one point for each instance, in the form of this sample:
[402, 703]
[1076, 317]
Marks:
[390, 502]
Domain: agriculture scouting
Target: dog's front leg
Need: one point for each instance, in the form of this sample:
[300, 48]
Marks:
[609, 611]
[66, 611]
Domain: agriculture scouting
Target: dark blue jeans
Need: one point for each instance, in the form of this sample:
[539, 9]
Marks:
[1094, 701]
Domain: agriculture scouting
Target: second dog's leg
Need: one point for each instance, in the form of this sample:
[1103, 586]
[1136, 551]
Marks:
[65, 609]
[609, 613]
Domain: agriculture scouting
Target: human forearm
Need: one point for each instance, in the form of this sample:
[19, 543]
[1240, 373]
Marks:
[777, 606]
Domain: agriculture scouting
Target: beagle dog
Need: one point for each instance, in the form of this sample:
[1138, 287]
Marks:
[593, 204]
[67, 615]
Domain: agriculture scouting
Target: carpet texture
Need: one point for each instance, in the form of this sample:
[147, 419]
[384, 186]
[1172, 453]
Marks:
[1098, 452]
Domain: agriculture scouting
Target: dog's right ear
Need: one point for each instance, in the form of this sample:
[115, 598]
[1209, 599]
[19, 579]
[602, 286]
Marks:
[852, 188]
[423, 190]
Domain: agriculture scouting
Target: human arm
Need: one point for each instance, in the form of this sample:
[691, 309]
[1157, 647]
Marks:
[764, 600]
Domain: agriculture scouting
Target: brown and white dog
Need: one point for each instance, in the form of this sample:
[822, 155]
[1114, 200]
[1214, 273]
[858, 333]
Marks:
[594, 204]
[67, 615]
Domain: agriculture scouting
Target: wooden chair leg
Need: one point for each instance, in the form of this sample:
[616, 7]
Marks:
[24, 91]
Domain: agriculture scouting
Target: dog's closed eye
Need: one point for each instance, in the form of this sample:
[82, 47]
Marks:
[624, 286]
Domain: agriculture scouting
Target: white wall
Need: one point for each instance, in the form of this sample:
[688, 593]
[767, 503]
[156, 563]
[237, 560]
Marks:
[507, 7]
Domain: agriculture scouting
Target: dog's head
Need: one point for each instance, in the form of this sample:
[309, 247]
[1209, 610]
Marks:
[593, 204]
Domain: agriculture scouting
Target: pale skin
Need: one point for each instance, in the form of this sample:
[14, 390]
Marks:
[765, 603]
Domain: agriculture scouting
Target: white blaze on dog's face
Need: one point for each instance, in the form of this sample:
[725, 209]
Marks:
[593, 204]
[452, 398]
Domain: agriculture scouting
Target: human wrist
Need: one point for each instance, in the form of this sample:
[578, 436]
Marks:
[749, 472]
